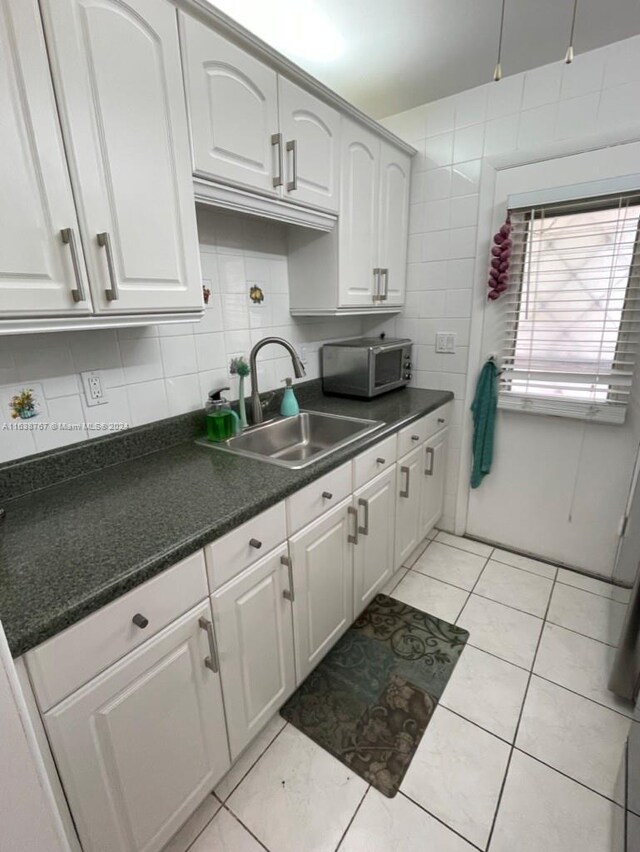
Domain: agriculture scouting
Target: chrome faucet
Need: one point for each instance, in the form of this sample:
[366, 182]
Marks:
[298, 370]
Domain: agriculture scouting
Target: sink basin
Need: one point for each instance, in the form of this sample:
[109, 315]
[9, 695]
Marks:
[295, 442]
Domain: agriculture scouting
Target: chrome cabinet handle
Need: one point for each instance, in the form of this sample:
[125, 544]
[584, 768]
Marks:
[140, 621]
[429, 469]
[384, 273]
[69, 238]
[288, 594]
[254, 542]
[441, 420]
[104, 240]
[276, 141]
[376, 285]
[292, 146]
[327, 495]
[380, 460]
[353, 539]
[364, 529]
[211, 662]
[407, 471]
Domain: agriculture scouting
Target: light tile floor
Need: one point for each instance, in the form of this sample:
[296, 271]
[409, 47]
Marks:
[524, 751]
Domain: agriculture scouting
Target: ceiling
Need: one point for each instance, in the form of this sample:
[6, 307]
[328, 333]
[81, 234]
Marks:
[386, 56]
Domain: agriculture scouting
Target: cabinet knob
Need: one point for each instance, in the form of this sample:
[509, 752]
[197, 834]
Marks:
[380, 460]
[255, 543]
[327, 495]
[140, 621]
[415, 437]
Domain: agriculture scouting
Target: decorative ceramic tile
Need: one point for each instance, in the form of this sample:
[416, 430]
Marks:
[514, 587]
[391, 825]
[297, 796]
[431, 596]
[575, 735]
[524, 562]
[581, 664]
[225, 834]
[249, 756]
[587, 613]
[590, 584]
[196, 823]
[542, 810]
[487, 691]
[450, 565]
[467, 544]
[457, 774]
[501, 630]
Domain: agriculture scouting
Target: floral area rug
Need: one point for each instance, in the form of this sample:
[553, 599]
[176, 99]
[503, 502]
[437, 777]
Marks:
[370, 699]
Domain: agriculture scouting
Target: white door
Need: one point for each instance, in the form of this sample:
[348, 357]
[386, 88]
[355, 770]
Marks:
[373, 557]
[359, 279]
[116, 70]
[435, 463]
[311, 138]
[233, 109]
[408, 491]
[393, 224]
[322, 560]
[141, 744]
[39, 273]
[254, 632]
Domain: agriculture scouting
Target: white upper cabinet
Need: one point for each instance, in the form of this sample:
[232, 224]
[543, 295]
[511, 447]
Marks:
[310, 135]
[358, 226]
[233, 109]
[393, 223]
[116, 70]
[38, 269]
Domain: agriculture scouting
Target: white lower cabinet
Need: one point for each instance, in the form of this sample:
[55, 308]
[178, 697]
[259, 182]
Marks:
[373, 557]
[140, 745]
[254, 633]
[408, 503]
[322, 566]
[435, 460]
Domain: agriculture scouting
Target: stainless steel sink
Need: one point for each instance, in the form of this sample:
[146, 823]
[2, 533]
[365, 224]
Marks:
[295, 442]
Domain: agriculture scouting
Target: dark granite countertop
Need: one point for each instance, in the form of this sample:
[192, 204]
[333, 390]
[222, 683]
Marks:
[69, 549]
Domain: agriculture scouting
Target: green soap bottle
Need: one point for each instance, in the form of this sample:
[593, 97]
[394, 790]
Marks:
[222, 421]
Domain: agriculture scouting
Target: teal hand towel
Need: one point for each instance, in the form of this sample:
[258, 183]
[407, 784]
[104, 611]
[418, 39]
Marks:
[484, 407]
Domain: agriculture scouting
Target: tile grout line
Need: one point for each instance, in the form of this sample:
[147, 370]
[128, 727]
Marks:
[253, 765]
[520, 714]
[580, 695]
[596, 594]
[584, 635]
[206, 825]
[487, 560]
[246, 828]
[355, 813]
[440, 820]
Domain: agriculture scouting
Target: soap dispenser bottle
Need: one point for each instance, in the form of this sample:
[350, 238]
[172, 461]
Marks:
[289, 406]
[222, 420]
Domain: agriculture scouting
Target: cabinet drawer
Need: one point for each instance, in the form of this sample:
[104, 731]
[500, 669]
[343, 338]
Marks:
[311, 501]
[437, 420]
[412, 436]
[374, 461]
[235, 551]
[67, 661]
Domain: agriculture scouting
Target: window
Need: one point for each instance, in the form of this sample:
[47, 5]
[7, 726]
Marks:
[571, 309]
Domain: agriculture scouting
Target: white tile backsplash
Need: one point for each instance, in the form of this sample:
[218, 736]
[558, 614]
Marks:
[152, 372]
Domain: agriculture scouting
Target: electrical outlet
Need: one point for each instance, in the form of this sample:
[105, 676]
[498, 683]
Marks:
[93, 388]
[445, 343]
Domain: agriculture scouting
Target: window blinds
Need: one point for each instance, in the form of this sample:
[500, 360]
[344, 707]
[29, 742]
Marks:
[572, 311]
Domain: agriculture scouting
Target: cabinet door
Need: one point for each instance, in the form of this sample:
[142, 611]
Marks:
[393, 225]
[322, 560]
[140, 745]
[358, 224]
[233, 109]
[37, 270]
[373, 556]
[116, 70]
[310, 135]
[408, 491]
[435, 464]
[254, 632]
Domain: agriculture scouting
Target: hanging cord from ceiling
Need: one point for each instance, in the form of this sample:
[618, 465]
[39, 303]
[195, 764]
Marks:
[568, 58]
[497, 73]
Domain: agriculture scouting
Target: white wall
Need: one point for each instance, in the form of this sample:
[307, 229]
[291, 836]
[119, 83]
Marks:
[153, 372]
[537, 110]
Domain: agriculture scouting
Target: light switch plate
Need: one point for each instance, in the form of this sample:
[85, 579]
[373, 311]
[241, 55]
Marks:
[445, 343]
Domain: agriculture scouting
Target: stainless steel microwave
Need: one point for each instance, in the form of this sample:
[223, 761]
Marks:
[365, 367]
